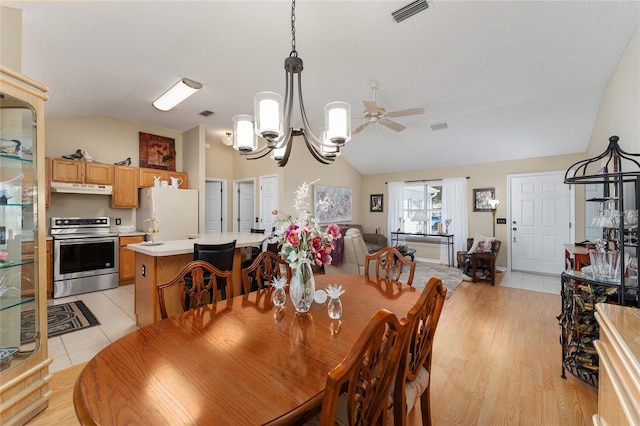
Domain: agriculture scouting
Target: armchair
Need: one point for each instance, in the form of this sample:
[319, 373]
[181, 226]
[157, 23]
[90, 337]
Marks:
[483, 261]
[373, 242]
[354, 253]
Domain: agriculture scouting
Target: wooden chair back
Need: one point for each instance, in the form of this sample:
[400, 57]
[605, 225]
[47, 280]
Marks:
[365, 376]
[193, 295]
[389, 264]
[261, 272]
[417, 354]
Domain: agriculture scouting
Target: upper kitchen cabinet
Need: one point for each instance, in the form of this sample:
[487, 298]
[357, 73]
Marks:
[125, 188]
[79, 171]
[148, 177]
[24, 367]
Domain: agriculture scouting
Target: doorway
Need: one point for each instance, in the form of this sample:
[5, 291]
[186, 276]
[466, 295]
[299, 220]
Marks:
[215, 205]
[243, 205]
[541, 217]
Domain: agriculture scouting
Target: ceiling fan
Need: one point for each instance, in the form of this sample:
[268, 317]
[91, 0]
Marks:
[376, 114]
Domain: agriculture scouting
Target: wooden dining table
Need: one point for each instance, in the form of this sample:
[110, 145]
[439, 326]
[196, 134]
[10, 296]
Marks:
[240, 361]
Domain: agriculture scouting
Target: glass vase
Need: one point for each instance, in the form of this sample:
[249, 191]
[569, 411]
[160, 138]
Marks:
[302, 287]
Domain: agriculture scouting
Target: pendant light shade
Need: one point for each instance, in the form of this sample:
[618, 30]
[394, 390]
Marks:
[244, 138]
[268, 109]
[337, 119]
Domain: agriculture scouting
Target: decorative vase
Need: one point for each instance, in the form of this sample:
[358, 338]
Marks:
[334, 308]
[302, 287]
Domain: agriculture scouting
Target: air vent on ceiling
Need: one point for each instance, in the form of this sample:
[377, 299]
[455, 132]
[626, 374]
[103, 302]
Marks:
[439, 126]
[409, 10]
[206, 113]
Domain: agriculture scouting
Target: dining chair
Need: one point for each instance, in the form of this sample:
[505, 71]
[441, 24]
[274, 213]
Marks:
[357, 390]
[192, 296]
[218, 255]
[389, 264]
[412, 380]
[261, 272]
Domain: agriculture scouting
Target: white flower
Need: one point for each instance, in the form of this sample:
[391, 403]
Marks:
[334, 291]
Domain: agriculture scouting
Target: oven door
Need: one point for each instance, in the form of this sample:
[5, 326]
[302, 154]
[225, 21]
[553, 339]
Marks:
[84, 257]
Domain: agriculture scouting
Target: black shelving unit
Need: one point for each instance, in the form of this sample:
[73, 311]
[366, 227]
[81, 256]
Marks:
[618, 171]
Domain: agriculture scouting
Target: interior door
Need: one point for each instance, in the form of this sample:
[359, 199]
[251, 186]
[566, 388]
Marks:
[246, 210]
[540, 222]
[214, 212]
[268, 201]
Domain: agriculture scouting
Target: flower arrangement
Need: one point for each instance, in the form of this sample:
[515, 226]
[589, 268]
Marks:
[153, 225]
[301, 239]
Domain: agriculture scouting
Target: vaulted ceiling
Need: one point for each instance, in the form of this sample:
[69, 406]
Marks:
[512, 79]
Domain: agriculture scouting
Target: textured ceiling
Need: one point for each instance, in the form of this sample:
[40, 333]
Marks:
[512, 79]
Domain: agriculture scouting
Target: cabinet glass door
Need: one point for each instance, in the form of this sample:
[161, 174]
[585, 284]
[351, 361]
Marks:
[19, 331]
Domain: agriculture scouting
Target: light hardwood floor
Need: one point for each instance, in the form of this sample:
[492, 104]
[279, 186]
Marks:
[496, 362]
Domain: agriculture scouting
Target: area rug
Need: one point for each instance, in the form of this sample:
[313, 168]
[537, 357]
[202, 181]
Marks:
[61, 319]
[451, 277]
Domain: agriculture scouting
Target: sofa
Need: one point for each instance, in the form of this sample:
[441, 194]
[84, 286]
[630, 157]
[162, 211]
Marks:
[354, 253]
[374, 242]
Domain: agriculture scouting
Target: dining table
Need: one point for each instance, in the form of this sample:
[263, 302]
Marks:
[239, 361]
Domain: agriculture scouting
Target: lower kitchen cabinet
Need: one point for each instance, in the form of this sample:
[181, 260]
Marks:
[127, 259]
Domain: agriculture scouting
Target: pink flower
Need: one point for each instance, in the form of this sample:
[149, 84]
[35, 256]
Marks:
[323, 256]
[293, 236]
[334, 231]
[274, 212]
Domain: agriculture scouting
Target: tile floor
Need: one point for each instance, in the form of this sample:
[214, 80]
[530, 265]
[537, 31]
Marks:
[115, 311]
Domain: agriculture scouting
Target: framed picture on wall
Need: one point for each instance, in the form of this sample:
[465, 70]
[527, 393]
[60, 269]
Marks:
[337, 201]
[481, 199]
[157, 152]
[376, 203]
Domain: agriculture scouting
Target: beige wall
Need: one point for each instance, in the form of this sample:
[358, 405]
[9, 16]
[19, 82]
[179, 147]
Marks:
[11, 38]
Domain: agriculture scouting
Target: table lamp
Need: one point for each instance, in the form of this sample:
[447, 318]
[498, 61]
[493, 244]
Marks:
[419, 217]
[494, 205]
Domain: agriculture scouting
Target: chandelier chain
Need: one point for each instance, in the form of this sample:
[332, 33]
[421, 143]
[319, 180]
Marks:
[294, 52]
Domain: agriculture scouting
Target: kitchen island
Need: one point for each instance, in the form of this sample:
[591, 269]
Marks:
[158, 264]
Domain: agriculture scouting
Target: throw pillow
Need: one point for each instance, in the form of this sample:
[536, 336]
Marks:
[477, 239]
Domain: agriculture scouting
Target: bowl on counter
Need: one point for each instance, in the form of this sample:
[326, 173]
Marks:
[123, 229]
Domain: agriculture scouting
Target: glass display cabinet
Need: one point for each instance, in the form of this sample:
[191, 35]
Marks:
[616, 173]
[24, 371]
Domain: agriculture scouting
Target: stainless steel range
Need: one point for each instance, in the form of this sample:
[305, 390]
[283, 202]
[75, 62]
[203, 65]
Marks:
[85, 255]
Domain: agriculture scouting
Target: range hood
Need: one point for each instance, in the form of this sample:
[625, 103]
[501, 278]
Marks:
[81, 188]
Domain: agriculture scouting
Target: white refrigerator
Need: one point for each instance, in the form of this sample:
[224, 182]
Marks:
[176, 211]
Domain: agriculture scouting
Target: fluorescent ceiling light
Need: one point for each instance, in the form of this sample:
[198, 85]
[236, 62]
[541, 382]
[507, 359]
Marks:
[178, 93]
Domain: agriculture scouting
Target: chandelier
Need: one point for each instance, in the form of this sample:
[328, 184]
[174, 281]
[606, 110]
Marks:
[272, 122]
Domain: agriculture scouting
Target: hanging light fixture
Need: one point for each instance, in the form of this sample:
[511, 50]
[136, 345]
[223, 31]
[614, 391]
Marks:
[272, 120]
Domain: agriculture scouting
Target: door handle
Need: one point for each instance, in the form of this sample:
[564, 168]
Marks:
[514, 228]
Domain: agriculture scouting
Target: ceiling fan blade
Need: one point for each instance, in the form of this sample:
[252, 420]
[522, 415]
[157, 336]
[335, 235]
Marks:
[391, 124]
[359, 128]
[371, 107]
[412, 111]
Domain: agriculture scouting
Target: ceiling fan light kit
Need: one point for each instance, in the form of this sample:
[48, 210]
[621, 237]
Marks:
[176, 94]
[409, 10]
[272, 120]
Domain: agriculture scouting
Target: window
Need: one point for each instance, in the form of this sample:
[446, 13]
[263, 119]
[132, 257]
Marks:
[422, 207]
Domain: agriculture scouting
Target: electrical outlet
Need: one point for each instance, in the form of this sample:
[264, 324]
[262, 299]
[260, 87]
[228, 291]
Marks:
[118, 221]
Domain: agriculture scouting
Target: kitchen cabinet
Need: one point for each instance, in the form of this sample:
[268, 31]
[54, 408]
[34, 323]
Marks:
[147, 177]
[24, 371]
[127, 260]
[125, 187]
[79, 171]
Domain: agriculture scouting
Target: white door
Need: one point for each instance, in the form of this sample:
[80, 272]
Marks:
[214, 209]
[541, 219]
[246, 211]
[268, 201]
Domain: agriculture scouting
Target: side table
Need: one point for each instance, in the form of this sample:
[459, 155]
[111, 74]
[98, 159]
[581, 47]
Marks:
[475, 257]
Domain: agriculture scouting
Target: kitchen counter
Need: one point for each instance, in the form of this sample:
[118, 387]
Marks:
[131, 234]
[158, 264]
[174, 247]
